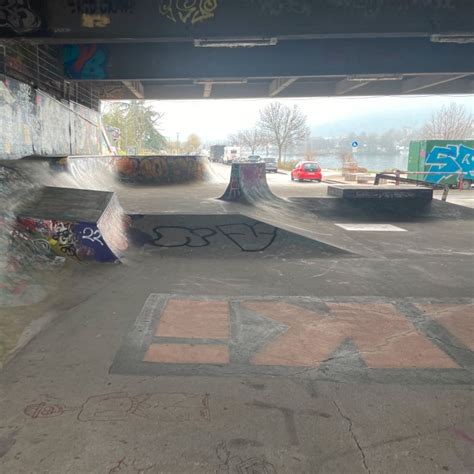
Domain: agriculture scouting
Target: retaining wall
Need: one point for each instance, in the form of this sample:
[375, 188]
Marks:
[163, 169]
[35, 123]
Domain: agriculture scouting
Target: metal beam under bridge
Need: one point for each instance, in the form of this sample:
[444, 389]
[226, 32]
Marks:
[175, 20]
[286, 59]
[292, 68]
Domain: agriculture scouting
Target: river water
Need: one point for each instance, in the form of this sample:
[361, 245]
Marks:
[371, 162]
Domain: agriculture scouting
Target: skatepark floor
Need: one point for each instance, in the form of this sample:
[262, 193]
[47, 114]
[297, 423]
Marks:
[353, 354]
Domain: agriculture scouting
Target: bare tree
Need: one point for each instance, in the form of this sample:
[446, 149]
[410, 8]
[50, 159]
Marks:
[283, 125]
[192, 144]
[252, 138]
[450, 123]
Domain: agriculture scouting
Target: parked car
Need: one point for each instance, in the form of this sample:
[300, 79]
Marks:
[307, 170]
[270, 165]
[253, 158]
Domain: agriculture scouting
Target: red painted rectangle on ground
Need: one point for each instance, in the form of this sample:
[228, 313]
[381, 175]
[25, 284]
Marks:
[194, 319]
[187, 354]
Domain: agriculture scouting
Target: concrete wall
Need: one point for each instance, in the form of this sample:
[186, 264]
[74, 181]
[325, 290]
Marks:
[160, 169]
[35, 123]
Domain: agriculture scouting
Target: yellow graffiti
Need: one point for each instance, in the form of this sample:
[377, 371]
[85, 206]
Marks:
[95, 21]
[193, 11]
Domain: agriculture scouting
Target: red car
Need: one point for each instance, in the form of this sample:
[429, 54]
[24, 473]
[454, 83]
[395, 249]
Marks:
[309, 170]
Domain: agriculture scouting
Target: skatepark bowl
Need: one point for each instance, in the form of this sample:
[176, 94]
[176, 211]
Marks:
[170, 315]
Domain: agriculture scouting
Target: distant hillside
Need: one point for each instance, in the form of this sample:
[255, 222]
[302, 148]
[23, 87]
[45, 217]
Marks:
[407, 112]
[372, 123]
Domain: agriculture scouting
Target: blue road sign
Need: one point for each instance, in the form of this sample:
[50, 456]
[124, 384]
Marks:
[355, 144]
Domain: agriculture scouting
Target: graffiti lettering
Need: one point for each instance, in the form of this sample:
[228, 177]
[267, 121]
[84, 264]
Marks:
[43, 410]
[69, 250]
[248, 237]
[160, 169]
[93, 235]
[95, 21]
[450, 159]
[373, 7]
[19, 16]
[85, 61]
[192, 11]
[93, 7]
[62, 232]
[118, 406]
[281, 7]
[63, 237]
[170, 236]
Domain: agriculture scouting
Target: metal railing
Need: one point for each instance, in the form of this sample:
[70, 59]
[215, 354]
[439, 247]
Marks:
[41, 66]
[397, 177]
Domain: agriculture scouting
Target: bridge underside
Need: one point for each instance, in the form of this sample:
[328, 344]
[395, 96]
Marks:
[168, 49]
[294, 87]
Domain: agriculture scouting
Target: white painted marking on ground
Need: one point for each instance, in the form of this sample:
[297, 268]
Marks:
[371, 227]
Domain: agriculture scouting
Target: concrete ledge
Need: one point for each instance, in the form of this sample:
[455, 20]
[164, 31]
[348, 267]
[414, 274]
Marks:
[380, 192]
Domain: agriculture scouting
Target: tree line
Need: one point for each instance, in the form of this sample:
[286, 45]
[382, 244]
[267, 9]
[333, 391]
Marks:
[279, 125]
[133, 127]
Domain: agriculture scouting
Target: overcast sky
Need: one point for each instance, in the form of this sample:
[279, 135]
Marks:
[216, 119]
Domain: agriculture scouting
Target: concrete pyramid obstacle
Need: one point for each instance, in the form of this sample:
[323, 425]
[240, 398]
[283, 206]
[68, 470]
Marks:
[248, 183]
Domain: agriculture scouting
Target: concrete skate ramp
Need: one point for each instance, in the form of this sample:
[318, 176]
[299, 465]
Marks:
[248, 184]
[90, 172]
[104, 172]
[373, 210]
[76, 223]
[83, 172]
[161, 169]
[223, 235]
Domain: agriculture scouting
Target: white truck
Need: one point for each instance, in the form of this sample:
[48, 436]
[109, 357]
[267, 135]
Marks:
[231, 154]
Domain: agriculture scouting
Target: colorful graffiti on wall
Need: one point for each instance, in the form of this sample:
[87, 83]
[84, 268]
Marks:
[33, 123]
[450, 159]
[186, 11]
[36, 245]
[18, 16]
[85, 61]
[81, 241]
[160, 169]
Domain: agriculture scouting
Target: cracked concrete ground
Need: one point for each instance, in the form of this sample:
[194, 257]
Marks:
[80, 399]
